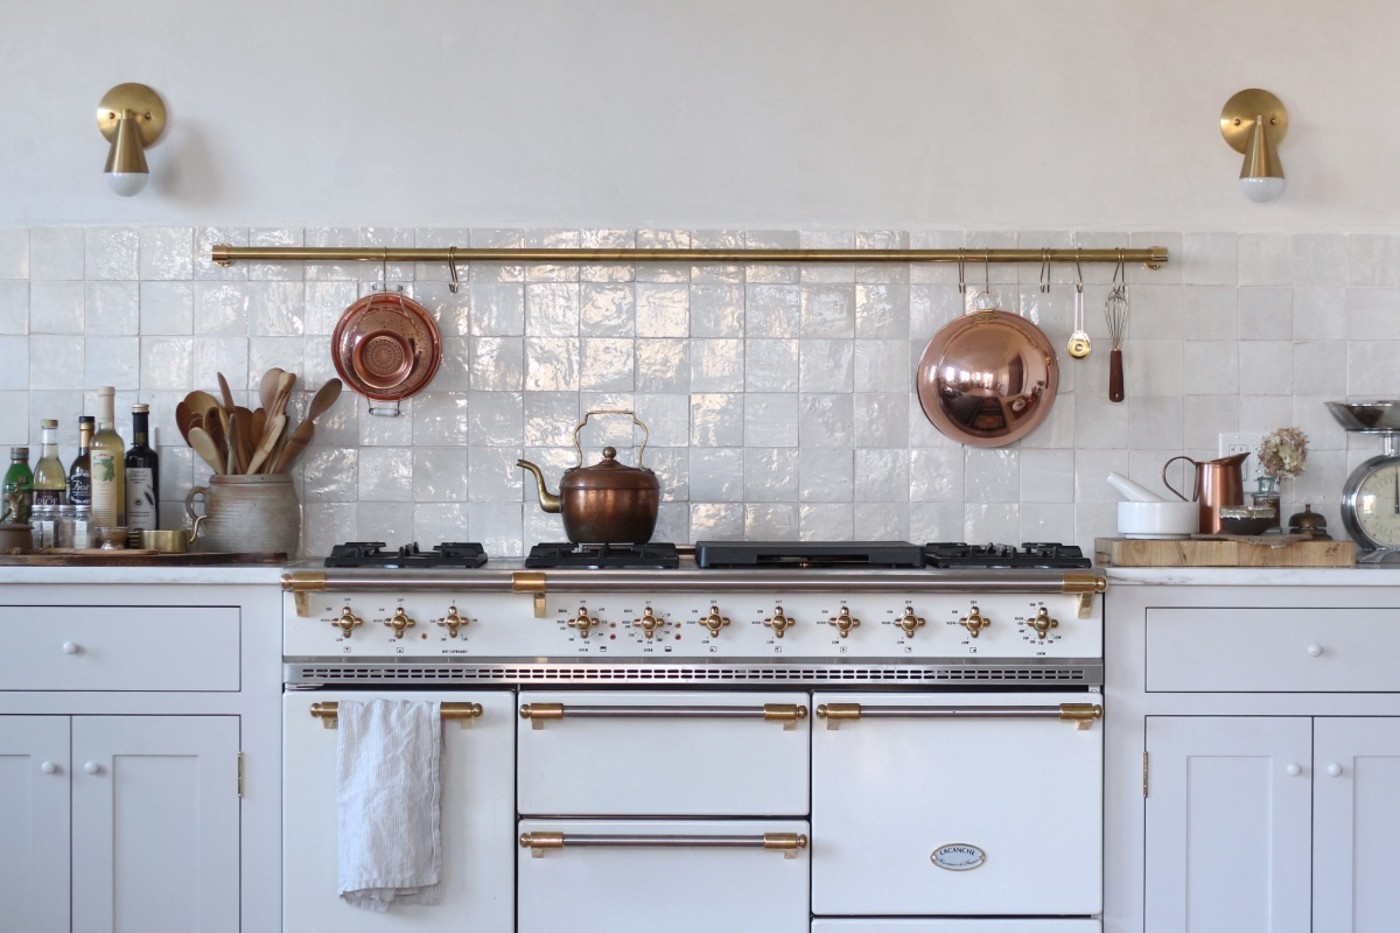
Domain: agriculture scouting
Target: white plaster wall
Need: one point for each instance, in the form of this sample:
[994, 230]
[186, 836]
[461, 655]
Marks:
[1025, 114]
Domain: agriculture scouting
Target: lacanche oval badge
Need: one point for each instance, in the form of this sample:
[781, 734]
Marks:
[958, 856]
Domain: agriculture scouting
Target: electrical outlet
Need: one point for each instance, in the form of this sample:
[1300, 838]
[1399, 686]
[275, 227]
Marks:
[1240, 444]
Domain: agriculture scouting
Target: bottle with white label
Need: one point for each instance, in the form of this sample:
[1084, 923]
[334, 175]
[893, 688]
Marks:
[50, 479]
[108, 456]
[142, 476]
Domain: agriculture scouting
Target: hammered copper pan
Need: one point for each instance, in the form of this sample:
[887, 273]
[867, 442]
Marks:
[987, 378]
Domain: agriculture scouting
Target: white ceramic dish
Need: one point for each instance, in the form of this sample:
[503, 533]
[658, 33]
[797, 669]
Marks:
[1158, 519]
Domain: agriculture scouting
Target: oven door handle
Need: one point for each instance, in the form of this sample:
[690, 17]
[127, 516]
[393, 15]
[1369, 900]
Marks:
[1083, 715]
[329, 713]
[789, 714]
[538, 843]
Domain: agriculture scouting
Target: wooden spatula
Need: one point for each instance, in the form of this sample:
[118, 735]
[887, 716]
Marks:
[208, 451]
[299, 439]
[269, 441]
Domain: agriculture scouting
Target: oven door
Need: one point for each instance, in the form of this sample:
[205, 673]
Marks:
[478, 820]
[680, 876]
[957, 804]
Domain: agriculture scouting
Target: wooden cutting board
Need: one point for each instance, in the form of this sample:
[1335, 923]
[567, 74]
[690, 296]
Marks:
[131, 557]
[1224, 551]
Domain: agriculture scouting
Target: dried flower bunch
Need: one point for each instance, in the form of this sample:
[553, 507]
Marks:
[1284, 452]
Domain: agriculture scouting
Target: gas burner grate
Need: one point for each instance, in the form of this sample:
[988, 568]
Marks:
[948, 555]
[598, 556]
[807, 554]
[450, 555]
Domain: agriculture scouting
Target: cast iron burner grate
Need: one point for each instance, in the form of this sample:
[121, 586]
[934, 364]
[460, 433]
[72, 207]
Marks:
[807, 554]
[949, 555]
[449, 555]
[597, 556]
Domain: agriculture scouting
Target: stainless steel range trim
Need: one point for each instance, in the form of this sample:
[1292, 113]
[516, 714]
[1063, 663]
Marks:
[1067, 672]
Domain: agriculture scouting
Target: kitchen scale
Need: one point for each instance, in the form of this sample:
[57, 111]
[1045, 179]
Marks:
[1371, 496]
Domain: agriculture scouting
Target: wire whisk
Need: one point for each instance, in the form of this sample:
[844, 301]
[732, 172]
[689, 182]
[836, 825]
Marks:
[1115, 312]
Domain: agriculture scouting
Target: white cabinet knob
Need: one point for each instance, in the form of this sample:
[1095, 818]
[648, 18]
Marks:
[1315, 651]
[48, 767]
[1293, 770]
[1334, 769]
[70, 647]
[92, 767]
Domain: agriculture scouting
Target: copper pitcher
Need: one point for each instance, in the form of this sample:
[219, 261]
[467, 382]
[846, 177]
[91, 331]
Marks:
[1218, 483]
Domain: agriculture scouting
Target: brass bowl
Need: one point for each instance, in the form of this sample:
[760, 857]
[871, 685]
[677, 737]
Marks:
[1247, 520]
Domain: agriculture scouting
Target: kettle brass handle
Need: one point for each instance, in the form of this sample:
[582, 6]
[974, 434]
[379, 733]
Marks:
[646, 435]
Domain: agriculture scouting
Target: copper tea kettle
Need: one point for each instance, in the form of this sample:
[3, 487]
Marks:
[1218, 483]
[608, 502]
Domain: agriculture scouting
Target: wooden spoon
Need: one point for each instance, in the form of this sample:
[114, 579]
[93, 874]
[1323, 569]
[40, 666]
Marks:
[183, 419]
[284, 392]
[208, 451]
[299, 439]
[267, 387]
[324, 398]
[224, 391]
[201, 401]
[269, 441]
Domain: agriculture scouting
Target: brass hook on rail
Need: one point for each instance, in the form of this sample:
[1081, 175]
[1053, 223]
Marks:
[962, 271]
[452, 269]
[1045, 270]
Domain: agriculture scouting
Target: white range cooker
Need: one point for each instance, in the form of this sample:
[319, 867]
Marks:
[870, 737]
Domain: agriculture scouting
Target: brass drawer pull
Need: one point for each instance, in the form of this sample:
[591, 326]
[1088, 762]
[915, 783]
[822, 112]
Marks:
[787, 843]
[789, 714]
[1083, 715]
[329, 713]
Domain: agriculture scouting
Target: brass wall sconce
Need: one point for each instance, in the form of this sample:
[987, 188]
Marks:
[1254, 122]
[131, 117]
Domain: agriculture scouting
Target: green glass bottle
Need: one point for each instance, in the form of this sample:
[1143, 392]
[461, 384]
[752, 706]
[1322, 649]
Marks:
[18, 489]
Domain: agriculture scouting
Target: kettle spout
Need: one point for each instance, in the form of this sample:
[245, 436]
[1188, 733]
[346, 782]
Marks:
[548, 500]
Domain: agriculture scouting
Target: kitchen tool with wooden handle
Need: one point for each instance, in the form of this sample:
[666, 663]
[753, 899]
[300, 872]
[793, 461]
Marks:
[271, 435]
[288, 454]
[1115, 312]
[208, 451]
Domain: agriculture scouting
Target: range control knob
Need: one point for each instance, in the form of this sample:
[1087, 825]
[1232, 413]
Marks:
[974, 622]
[399, 622]
[452, 622]
[583, 622]
[649, 622]
[714, 621]
[844, 622]
[779, 623]
[1042, 623]
[347, 622]
[910, 622]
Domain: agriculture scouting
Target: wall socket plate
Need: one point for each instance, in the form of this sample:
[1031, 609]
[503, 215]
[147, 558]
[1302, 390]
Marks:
[1243, 443]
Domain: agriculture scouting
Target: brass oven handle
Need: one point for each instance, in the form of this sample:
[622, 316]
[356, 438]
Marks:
[329, 712]
[1083, 715]
[787, 843]
[789, 714]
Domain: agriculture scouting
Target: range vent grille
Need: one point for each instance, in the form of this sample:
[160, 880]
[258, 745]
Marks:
[311, 674]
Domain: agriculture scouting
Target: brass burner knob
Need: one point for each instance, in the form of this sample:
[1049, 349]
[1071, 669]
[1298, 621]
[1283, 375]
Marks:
[1042, 623]
[910, 622]
[452, 622]
[649, 622]
[400, 622]
[779, 623]
[347, 622]
[714, 621]
[583, 622]
[974, 622]
[844, 622]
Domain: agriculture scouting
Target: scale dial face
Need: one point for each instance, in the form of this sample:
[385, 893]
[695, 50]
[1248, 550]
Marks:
[1371, 503]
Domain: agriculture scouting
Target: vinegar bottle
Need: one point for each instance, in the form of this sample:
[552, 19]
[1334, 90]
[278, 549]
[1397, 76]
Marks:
[142, 475]
[80, 473]
[108, 455]
[50, 481]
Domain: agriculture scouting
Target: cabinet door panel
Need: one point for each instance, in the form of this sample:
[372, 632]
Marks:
[155, 824]
[1356, 823]
[34, 823]
[1227, 825]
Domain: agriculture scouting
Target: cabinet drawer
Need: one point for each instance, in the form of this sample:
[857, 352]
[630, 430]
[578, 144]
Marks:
[663, 754]
[156, 648]
[1269, 650]
[956, 926]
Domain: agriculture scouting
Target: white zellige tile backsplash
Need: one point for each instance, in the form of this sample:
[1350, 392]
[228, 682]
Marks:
[779, 398]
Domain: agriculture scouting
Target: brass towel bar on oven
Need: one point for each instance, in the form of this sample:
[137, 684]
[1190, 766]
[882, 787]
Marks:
[329, 713]
[1153, 257]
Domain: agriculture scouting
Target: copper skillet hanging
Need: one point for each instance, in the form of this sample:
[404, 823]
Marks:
[988, 377]
[386, 346]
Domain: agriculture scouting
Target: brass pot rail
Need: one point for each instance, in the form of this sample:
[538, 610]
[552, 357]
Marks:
[1153, 257]
[329, 713]
[787, 843]
[1083, 715]
[789, 714]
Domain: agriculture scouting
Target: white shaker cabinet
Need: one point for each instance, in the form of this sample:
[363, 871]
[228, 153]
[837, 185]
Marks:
[139, 750]
[1253, 752]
